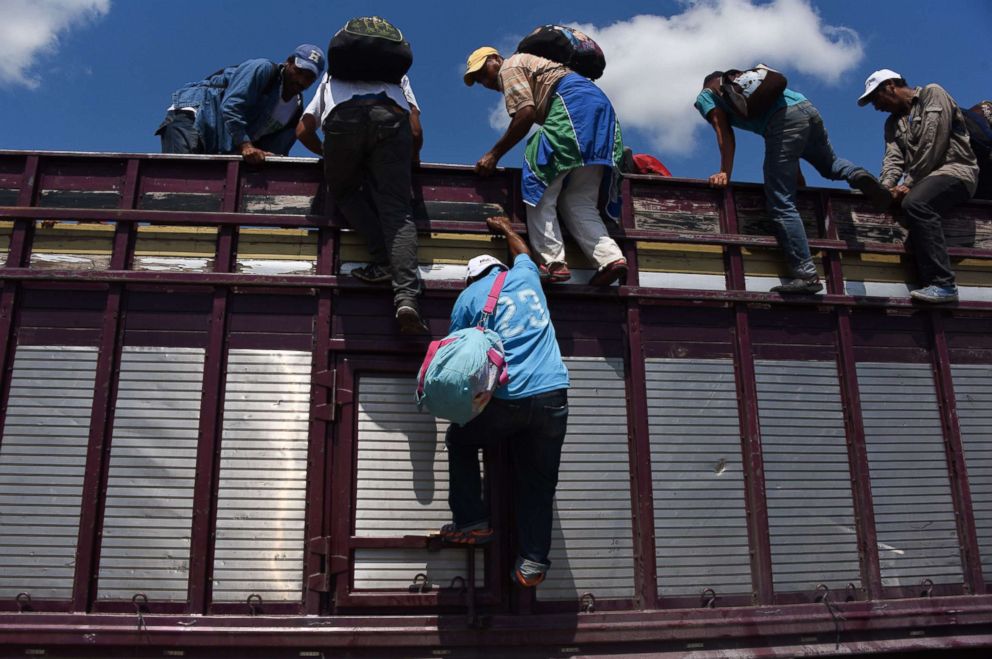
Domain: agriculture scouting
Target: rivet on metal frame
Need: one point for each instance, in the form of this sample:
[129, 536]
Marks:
[23, 602]
[709, 598]
[587, 603]
[420, 583]
[927, 586]
[254, 602]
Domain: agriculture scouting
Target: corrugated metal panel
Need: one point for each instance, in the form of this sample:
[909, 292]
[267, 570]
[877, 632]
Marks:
[263, 476]
[592, 539]
[699, 516]
[973, 393]
[42, 464]
[807, 476]
[396, 569]
[402, 484]
[402, 464]
[146, 528]
[914, 515]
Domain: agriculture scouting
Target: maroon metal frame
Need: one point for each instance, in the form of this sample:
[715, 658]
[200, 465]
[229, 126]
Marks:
[960, 490]
[103, 409]
[207, 480]
[217, 191]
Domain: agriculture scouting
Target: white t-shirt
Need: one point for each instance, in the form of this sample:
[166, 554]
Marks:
[750, 80]
[331, 93]
[281, 115]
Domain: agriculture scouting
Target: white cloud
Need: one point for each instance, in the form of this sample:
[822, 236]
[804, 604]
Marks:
[655, 64]
[29, 33]
[499, 120]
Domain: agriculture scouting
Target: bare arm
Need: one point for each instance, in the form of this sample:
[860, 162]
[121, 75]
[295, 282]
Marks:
[501, 225]
[306, 133]
[517, 130]
[727, 143]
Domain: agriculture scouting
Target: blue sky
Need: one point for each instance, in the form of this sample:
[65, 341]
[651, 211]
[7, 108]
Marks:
[100, 80]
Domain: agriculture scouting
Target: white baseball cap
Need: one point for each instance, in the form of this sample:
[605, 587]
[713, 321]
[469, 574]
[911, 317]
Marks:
[480, 264]
[874, 80]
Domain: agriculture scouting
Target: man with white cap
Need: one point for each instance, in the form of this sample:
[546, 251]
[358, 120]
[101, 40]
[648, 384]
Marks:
[251, 108]
[530, 413]
[928, 167]
[568, 162]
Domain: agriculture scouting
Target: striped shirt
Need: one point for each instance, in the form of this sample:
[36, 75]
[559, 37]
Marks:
[530, 80]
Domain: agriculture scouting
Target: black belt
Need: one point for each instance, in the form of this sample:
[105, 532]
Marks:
[371, 100]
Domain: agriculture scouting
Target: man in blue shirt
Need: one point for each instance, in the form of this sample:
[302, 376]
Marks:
[251, 109]
[792, 129]
[530, 413]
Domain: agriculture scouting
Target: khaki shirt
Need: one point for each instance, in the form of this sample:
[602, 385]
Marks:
[930, 140]
[530, 80]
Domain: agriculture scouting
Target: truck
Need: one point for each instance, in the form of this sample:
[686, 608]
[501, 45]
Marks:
[210, 445]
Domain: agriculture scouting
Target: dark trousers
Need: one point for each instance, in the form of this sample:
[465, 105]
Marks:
[368, 151]
[178, 133]
[534, 428]
[924, 208]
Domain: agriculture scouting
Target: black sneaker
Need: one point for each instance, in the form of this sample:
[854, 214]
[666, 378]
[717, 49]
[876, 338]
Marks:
[373, 273]
[799, 286]
[875, 192]
[410, 322]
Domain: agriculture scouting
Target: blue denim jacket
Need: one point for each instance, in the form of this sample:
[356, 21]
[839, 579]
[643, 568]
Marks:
[234, 103]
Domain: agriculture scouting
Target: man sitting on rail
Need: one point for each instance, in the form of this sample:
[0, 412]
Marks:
[928, 168]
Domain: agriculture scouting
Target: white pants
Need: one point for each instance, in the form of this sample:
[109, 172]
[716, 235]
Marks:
[578, 210]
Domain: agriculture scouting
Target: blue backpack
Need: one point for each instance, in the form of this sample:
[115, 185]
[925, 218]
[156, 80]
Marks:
[461, 370]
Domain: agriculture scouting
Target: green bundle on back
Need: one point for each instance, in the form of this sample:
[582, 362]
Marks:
[369, 48]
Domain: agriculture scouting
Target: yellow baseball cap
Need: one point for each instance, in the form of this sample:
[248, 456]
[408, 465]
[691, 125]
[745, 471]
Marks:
[476, 61]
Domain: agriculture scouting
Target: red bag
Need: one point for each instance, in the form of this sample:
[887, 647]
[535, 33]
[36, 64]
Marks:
[647, 164]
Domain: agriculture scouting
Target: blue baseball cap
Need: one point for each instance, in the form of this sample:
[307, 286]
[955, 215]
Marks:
[310, 57]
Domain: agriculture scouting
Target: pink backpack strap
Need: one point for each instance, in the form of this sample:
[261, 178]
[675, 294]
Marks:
[499, 361]
[493, 298]
[428, 358]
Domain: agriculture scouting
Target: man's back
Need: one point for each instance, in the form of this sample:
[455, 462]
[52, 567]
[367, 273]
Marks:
[530, 80]
[523, 323]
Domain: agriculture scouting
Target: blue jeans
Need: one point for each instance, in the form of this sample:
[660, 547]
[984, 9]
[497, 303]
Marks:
[793, 133]
[535, 429]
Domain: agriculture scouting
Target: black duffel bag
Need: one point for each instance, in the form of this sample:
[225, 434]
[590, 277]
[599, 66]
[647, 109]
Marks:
[369, 48]
[567, 46]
